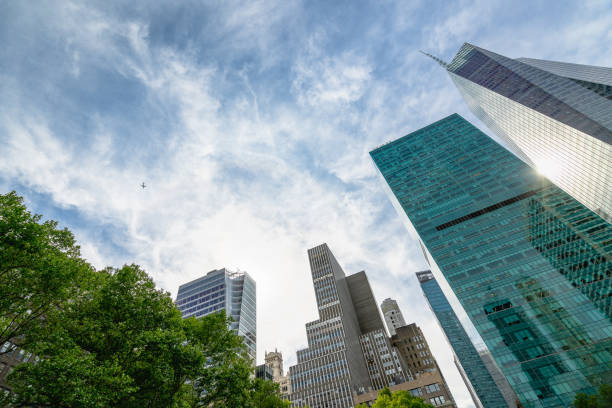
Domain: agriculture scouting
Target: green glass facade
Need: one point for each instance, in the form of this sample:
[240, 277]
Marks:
[476, 373]
[530, 265]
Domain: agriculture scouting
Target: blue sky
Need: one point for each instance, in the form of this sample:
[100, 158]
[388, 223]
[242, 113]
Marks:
[251, 124]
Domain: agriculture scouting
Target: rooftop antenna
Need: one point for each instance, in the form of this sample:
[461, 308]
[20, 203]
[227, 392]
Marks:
[438, 60]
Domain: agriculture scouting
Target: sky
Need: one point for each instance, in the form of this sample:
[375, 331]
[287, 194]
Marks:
[250, 123]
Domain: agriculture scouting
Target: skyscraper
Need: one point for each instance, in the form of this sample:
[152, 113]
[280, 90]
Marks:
[500, 380]
[414, 350]
[555, 116]
[348, 351]
[477, 378]
[222, 289]
[530, 265]
[393, 315]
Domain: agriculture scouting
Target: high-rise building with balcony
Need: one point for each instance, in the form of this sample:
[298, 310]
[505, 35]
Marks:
[349, 353]
[480, 383]
[393, 315]
[555, 116]
[222, 289]
[530, 264]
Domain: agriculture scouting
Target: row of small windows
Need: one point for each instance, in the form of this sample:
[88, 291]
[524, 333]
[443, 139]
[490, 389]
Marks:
[204, 303]
[431, 388]
[199, 295]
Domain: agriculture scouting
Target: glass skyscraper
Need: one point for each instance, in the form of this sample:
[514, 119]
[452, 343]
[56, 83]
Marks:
[555, 116]
[499, 378]
[222, 289]
[530, 265]
[476, 376]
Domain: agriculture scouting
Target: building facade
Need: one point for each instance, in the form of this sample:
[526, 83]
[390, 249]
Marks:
[428, 386]
[467, 382]
[501, 381]
[222, 289]
[414, 351]
[477, 378]
[393, 315]
[274, 360]
[555, 116]
[348, 351]
[264, 372]
[530, 265]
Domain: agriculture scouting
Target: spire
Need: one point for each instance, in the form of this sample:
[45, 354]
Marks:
[438, 60]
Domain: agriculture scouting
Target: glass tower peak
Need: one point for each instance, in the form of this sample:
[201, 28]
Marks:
[555, 116]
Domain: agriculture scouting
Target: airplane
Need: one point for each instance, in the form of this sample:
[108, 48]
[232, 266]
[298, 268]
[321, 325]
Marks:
[143, 185]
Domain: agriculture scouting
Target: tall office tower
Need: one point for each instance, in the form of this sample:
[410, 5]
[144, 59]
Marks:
[467, 382]
[348, 351]
[555, 116]
[222, 289]
[274, 360]
[501, 381]
[393, 315]
[477, 378]
[414, 351]
[530, 265]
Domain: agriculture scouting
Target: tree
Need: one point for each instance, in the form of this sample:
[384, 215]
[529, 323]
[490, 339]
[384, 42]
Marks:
[40, 267]
[224, 379]
[109, 338]
[601, 400]
[266, 394]
[397, 399]
[120, 341]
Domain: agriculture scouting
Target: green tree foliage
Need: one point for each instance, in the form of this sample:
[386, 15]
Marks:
[120, 340]
[266, 394]
[601, 400]
[40, 267]
[112, 339]
[224, 379]
[397, 399]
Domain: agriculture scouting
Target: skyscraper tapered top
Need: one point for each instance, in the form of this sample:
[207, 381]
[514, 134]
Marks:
[555, 116]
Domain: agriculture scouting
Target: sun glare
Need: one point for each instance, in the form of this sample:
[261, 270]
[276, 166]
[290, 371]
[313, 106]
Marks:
[548, 168]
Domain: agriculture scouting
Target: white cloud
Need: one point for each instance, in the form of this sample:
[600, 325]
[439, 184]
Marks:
[340, 79]
[228, 192]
